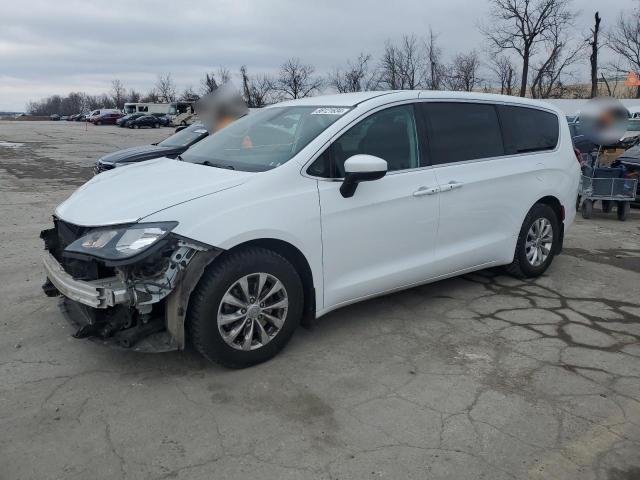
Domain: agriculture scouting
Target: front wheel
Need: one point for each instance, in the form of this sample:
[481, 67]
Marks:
[98, 122]
[536, 243]
[156, 125]
[245, 308]
[136, 126]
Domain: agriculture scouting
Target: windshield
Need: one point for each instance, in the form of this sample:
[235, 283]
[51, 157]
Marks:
[185, 137]
[265, 139]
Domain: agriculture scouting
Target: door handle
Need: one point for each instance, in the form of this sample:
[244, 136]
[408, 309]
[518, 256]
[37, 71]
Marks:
[451, 186]
[426, 191]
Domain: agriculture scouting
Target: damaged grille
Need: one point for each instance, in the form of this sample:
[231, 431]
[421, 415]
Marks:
[60, 237]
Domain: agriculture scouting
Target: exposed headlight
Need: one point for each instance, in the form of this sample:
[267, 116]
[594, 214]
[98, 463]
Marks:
[121, 243]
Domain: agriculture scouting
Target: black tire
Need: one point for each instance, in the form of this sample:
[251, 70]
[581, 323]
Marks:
[98, 122]
[156, 125]
[202, 325]
[587, 209]
[606, 206]
[520, 266]
[183, 123]
[623, 210]
[136, 126]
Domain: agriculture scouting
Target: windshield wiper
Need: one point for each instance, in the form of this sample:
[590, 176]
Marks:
[179, 157]
[210, 164]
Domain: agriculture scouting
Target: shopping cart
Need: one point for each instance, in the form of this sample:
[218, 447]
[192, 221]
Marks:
[607, 186]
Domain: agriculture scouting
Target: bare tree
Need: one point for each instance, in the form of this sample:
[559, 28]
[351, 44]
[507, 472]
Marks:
[189, 94]
[593, 58]
[435, 68]
[256, 90]
[612, 75]
[296, 79]
[505, 71]
[463, 72]
[624, 39]
[151, 97]
[355, 78]
[118, 93]
[224, 74]
[521, 25]
[401, 66]
[547, 76]
[133, 96]
[209, 83]
[165, 87]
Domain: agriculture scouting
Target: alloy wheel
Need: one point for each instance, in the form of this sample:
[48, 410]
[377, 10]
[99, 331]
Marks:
[252, 311]
[539, 242]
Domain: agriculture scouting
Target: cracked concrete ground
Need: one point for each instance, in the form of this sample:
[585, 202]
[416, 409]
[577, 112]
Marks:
[483, 376]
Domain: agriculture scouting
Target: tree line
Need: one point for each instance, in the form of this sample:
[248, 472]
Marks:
[533, 48]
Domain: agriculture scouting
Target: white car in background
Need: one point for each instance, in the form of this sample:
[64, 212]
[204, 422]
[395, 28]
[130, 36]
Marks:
[306, 206]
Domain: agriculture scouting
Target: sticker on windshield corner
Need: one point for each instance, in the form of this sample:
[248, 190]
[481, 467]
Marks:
[329, 111]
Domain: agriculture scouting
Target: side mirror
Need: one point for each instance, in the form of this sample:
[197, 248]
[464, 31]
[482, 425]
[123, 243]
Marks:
[361, 168]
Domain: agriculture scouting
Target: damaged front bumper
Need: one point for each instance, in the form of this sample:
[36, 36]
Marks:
[102, 293]
[140, 305]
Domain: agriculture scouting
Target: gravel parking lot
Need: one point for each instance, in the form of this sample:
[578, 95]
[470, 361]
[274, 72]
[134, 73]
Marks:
[482, 376]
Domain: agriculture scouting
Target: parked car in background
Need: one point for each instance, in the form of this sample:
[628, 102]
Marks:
[54, 117]
[170, 147]
[633, 128]
[124, 121]
[165, 119]
[145, 121]
[104, 116]
[307, 206]
[64, 117]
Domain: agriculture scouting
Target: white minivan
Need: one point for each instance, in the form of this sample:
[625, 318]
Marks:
[306, 206]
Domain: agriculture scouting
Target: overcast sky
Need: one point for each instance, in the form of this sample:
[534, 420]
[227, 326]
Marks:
[49, 47]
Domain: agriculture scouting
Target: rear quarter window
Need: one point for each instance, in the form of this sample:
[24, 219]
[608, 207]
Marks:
[459, 131]
[528, 129]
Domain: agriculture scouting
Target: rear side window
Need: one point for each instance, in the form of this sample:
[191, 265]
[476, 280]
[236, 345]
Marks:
[462, 131]
[528, 129]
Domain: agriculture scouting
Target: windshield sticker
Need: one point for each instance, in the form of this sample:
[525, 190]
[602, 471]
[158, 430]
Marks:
[330, 111]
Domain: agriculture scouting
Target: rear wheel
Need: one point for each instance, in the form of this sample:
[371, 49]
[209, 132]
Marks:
[136, 126]
[156, 125]
[623, 210]
[183, 123]
[587, 209]
[245, 308]
[536, 243]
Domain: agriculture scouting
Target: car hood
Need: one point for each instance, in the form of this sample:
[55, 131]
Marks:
[136, 154]
[129, 194]
[631, 156]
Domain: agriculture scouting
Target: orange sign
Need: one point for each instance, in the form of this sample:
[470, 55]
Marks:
[632, 80]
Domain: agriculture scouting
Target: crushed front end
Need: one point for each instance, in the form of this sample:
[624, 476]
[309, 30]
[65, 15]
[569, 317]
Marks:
[127, 285]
